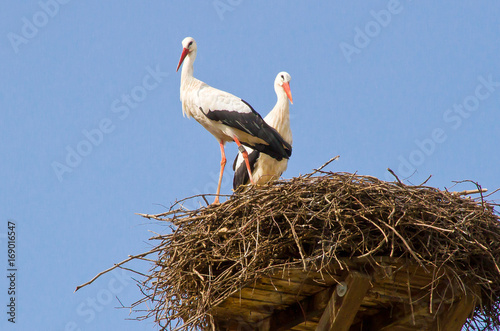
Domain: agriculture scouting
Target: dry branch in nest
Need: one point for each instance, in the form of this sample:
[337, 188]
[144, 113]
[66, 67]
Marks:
[318, 220]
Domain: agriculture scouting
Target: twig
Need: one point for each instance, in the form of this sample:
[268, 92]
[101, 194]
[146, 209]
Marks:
[324, 165]
[130, 258]
[155, 217]
[425, 181]
[395, 176]
[469, 192]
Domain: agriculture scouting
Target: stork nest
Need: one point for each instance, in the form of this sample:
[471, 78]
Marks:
[317, 219]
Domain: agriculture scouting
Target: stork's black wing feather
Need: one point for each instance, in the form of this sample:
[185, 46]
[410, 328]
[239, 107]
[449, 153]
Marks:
[253, 124]
[241, 174]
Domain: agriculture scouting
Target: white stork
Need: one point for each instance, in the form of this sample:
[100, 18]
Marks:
[226, 116]
[264, 167]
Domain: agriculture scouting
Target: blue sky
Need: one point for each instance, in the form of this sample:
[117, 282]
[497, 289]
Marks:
[91, 127]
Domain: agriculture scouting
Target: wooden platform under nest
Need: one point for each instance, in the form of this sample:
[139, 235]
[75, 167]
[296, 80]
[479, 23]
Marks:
[357, 294]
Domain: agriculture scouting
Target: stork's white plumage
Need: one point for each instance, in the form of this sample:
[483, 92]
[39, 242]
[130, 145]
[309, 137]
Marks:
[226, 116]
[264, 168]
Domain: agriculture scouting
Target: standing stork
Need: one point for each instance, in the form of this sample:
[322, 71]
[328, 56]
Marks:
[265, 168]
[226, 116]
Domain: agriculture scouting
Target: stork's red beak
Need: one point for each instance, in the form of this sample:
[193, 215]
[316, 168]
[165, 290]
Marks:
[185, 52]
[286, 87]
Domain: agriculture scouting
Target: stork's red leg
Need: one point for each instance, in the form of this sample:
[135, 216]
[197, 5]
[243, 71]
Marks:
[244, 153]
[222, 165]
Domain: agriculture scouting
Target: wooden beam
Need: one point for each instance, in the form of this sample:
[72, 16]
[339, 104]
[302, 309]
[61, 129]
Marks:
[340, 311]
[454, 318]
[398, 319]
[265, 325]
[298, 312]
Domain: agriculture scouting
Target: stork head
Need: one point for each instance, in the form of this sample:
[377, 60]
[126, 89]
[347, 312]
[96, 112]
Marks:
[282, 83]
[188, 47]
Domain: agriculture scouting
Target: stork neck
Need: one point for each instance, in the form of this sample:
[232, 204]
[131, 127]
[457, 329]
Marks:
[279, 117]
[282, 105]
[283, 101]
[187, 67]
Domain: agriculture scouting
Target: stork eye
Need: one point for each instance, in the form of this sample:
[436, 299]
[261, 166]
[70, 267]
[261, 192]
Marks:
[282, 77]
[190, 43]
